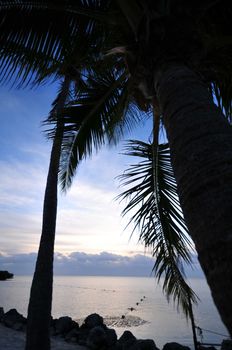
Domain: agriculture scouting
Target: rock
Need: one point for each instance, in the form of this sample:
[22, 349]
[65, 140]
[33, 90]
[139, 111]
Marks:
[134, 346]
[83, 334]
[64, 325]
[129, 342]
[97, 338]
[226, 344]
[201, 347]
[111, 336]
[93, 320]
[127, 339]
[12, 317]
[72, 336]
[146, 344]
[1, 313]
[52, 321]
[4, 275]
[18, 326]
[175, 346]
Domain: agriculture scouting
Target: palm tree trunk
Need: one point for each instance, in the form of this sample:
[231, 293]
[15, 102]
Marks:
[200, 141]
[39, 309]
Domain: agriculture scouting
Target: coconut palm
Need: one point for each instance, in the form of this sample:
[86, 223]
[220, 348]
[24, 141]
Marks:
[102, 85]
[30, 55]
[175, 55]
[39, 309]
[24, 63]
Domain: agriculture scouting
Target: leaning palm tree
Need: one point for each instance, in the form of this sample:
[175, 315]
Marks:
[177, 56]
[25, 63]
[31, 54]
[39, 309]
[103, 87]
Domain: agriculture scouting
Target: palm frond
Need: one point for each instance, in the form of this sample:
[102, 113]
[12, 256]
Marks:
[101, 113]
[30, 49]
[158, 217]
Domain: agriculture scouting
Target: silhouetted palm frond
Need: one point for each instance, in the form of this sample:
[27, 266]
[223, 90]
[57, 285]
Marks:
[157, 215]
[101, 113]
[36, 48]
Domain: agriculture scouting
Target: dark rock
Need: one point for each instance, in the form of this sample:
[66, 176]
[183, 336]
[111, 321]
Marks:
[52, 321]
[4, 275]
[52, 327]
[93, 320]
[64, 325]
[12, 317]
[134, 346]
[201, 347]
[97, 338]
[226, 344]
[1, 313]
[75, 325]
[18, 326]
[111, 336]
[175, 346]
[127, 339]
[146, 344]
[83, 334]
[72, 336]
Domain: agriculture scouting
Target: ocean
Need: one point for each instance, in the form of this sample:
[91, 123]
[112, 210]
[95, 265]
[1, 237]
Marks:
[146, 310]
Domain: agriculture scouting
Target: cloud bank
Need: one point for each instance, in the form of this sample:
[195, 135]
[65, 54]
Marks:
[83, 264]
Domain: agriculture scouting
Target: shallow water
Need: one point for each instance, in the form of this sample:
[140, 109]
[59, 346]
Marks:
[113, 297]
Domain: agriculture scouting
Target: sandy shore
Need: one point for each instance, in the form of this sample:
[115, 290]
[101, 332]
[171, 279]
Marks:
[15, 340]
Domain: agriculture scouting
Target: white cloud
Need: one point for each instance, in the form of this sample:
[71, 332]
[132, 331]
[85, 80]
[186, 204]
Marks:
[88, 216]
[21, 184]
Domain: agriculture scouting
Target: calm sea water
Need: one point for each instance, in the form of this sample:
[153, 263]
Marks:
[112, 297]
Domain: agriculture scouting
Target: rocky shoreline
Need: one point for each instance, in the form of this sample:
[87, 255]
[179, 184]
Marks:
[93, 333]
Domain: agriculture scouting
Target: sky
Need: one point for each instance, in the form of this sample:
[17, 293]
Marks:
[91, 235]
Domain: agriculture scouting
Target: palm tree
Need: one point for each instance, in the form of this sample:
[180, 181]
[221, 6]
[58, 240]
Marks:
[31, 55]
[176, 55]
[174, 246]
[25, 63]
[39, 309]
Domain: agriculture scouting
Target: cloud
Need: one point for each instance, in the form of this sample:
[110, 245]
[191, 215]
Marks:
[82, 264]
[88, 217]
[19, 264]
[21, 185]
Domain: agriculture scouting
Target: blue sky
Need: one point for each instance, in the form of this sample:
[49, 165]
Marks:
[89, 223]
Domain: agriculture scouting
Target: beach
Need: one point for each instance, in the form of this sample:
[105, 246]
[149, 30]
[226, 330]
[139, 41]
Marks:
[15, 340]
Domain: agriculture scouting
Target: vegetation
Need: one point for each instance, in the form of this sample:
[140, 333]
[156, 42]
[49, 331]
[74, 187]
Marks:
[172, 57]
[162, 228]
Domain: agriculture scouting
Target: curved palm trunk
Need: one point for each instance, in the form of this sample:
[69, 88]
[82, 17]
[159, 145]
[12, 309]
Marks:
[201, 148]
[39, 309]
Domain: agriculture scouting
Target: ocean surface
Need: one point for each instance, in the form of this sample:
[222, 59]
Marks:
[112, 297]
